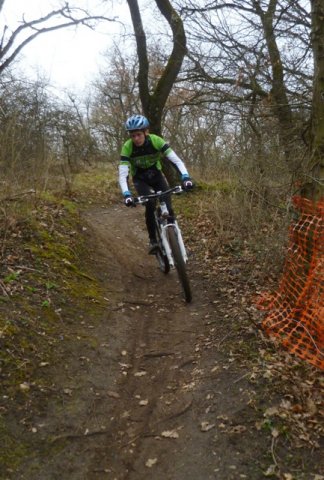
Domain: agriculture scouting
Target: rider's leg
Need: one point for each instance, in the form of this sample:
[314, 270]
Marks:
[150, 220]
[159, 183]
[143, 188]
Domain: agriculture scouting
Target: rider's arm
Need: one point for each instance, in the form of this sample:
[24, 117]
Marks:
[173, 157]
[123, 176]
[124, 166]
[168, 153]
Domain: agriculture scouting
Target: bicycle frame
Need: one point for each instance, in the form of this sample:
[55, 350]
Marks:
[171, 252]
[164, 224]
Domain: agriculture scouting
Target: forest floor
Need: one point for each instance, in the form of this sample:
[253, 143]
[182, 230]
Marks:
[133, 383]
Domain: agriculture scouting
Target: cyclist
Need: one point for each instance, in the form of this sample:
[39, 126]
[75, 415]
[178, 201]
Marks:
[141, 157]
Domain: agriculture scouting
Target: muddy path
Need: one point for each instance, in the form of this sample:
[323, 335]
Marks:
[158, 393]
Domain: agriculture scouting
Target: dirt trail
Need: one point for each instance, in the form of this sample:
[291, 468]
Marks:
[157, 396]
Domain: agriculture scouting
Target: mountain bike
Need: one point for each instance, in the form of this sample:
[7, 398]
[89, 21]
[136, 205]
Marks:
[170, 251]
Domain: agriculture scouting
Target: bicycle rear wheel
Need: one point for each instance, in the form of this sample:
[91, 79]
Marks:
[179, 263]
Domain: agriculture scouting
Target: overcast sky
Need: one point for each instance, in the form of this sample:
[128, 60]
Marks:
[68, 58]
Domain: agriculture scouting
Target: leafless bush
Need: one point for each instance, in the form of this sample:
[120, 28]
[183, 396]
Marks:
[42, 141]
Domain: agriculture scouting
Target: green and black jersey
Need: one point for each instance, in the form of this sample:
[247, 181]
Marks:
[146, 156]
[150, 154]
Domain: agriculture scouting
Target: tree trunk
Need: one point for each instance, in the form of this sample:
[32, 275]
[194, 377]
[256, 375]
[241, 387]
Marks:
[281, 108]
[314, 188]
[154, 102]
[143, 71]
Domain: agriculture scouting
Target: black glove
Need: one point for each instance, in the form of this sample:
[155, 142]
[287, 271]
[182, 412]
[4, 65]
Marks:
[187, 183]
[129, 200]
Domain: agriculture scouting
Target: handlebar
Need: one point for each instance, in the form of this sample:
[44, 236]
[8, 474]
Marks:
[145, 198]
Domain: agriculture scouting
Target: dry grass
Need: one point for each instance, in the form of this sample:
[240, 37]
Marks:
[236, 209]
[233, 214]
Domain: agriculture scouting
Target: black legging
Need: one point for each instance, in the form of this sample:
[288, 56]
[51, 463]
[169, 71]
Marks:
[144, 181]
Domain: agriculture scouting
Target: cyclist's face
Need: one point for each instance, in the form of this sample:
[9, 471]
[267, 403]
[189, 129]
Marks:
[138, 137]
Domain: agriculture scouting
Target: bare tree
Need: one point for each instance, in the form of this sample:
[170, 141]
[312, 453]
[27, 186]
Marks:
[153, 102]
[11, 43]
[253, 53]
[115, 97]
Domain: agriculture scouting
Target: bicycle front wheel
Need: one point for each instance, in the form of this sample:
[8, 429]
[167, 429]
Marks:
[160, 253]
[179, 263]
[162, 260]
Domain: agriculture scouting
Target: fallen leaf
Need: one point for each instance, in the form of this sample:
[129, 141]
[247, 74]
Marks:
[150, 462]
[275, 433]
[206, 426]
[112, 394]
[271, 411]
[125, 365]
[24, 387]
[271, 471]
[170, 434]
[311, 406]
[222, 417]
[237, 429]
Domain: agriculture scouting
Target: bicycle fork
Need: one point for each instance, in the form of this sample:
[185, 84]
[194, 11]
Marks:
[166, 244]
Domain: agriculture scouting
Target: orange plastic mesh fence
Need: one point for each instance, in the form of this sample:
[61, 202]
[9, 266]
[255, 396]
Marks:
[296, 310]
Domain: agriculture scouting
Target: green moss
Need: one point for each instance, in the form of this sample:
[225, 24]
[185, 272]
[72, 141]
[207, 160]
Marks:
[11, 277]
[48, 196]
[4, 299]
[13, 450]
[70, 206]
[44, 300]
[8, 328]
[85, 290]
[55, 286]
[51, 247]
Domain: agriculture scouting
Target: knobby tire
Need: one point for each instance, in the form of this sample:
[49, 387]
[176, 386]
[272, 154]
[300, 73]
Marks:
[179, 263]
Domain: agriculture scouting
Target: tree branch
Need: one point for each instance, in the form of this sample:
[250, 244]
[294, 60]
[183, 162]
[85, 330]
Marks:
[10, 50]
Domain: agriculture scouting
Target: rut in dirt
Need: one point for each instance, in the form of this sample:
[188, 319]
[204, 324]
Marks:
[160, 426]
